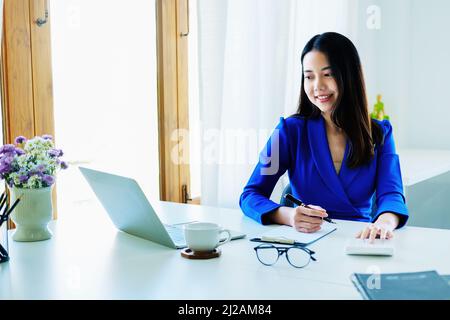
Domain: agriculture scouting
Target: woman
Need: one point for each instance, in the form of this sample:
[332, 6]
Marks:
[336, 156]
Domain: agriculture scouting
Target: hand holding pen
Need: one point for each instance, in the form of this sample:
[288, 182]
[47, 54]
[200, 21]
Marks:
[307, 218]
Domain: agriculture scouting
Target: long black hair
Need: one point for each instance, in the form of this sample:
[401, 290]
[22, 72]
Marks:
[350, 112]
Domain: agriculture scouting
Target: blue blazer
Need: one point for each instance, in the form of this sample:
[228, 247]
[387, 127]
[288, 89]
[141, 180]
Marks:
[305, 154]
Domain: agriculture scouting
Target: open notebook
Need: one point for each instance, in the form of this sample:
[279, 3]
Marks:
[288, 235]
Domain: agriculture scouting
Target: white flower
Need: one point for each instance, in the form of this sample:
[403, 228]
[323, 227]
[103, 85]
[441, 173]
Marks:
[34, 182]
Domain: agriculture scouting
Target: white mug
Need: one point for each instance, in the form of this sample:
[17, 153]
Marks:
[204, 236]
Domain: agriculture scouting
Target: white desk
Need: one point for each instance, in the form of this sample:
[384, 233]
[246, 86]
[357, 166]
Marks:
[88, 259]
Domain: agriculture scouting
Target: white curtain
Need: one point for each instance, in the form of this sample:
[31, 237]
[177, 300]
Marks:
[249, 76]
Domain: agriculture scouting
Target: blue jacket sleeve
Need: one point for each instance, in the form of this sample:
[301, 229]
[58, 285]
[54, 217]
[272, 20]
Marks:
[389, 186]
[273, 162]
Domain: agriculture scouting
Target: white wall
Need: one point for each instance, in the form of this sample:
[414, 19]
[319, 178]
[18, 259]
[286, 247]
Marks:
[405, 61]
[429, 112]
[385, 57]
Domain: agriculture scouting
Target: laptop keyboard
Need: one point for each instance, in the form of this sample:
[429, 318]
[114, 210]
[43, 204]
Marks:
[176, 233]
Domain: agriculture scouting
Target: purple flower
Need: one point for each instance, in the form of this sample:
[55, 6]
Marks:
[5, 168]
[64, 165]
[7, 160]
[47, 137]
[39, 174]
[23, 178]
[40, 168]
[20, 139]
[55, 153]
[48, 179]
[7, 148]
[19, 151]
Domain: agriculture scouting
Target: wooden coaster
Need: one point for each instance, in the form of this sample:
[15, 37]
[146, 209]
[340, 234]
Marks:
[189, 254]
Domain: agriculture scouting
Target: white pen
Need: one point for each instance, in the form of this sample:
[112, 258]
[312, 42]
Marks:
[279, 240]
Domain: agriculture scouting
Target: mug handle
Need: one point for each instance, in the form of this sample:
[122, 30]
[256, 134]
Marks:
[228, 238]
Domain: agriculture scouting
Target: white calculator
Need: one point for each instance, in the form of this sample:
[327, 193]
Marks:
[362, 247]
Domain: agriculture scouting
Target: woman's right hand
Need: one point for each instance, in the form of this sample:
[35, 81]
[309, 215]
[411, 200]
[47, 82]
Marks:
[307, 220]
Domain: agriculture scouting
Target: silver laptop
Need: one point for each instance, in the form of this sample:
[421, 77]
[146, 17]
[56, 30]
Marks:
[131, 212]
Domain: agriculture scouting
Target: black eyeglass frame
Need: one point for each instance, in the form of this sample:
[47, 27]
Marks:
[284, 250]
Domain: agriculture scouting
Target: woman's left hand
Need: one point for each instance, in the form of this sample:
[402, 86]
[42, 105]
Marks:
[382, 228]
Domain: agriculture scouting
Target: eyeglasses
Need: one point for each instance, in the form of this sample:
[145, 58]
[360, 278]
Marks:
[297, 257]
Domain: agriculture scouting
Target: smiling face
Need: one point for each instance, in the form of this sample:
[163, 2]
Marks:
[319, 83]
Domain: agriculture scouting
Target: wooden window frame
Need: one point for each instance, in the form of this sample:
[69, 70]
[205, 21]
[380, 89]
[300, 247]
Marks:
[27, 85]
[173, 117]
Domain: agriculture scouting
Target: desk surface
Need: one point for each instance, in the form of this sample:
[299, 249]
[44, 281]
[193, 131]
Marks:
[87, 258]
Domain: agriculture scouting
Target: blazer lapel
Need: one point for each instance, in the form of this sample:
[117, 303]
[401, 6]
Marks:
[321, 155]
